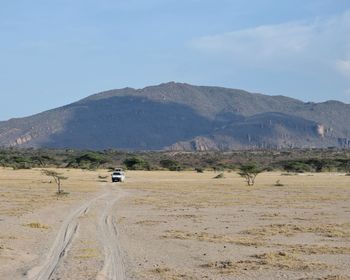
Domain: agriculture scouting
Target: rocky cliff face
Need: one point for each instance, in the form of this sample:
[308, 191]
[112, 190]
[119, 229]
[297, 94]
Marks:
[183, 117]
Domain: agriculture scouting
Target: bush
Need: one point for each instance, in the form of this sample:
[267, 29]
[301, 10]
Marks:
[218, 168]
[297, 167]
[170, 164]
[345, 166]
[269, 169]
[58, 178]
[249, 172]
[199, 170]
[136, 163]
[21, 165]
[89, 161]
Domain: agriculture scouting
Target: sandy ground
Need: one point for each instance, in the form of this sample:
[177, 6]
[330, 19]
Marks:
[174, 225]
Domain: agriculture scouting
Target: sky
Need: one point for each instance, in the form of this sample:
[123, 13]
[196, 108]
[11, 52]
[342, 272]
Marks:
[56, 52]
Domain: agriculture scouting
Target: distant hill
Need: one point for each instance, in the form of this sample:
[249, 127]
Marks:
[183, 117]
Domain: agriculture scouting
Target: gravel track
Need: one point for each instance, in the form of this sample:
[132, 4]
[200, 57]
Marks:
[113, 268]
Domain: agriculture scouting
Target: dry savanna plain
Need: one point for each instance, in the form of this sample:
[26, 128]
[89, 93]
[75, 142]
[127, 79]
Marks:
[174, 225]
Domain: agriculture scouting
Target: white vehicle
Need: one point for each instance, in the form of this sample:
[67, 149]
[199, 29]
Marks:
[118, 176]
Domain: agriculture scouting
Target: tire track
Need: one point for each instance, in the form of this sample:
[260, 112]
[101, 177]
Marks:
[60, 246]
[113, 268]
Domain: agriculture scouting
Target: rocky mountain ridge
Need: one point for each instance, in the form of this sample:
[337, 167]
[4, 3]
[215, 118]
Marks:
[180, 116]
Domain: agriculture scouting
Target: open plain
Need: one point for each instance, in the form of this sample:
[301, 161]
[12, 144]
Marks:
[174, 225]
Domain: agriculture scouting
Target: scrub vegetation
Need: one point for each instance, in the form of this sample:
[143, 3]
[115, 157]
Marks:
[290, 161]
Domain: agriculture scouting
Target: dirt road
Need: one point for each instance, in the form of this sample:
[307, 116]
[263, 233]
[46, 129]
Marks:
[113, 267]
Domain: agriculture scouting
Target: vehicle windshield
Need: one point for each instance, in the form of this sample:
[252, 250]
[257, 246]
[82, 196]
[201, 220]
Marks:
[117, 173]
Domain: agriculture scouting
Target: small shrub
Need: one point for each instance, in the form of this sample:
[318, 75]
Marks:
[278, 184]
[199, 170]
[249, 172]
[219, 176]
[62, 193]
[57, 178]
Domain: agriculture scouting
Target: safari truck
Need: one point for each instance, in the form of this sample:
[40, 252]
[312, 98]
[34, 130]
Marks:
[118, 175]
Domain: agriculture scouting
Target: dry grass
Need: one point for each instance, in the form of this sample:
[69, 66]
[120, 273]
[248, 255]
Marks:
[186, 189]
[283, 260]
[308, 210]
[26, 191]
[150, 222]
[326, 230]
[224, 267]
[88, 253]
[271, 260]
[37, 225]
[215, 238]
[166, 273]
[183, 216]
[207, 215]
[317, 249]
[328, 277]
[10, 237]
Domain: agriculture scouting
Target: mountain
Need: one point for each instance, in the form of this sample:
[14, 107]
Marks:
[180, 116]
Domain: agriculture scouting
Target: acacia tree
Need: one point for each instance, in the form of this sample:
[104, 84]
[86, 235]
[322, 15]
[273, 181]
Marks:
[136, 163]
[249, 172]
[57, 178]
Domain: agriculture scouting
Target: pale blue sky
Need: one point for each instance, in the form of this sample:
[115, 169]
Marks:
[58, 51]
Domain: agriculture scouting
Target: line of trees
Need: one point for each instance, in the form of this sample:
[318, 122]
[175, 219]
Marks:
[296, 161]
